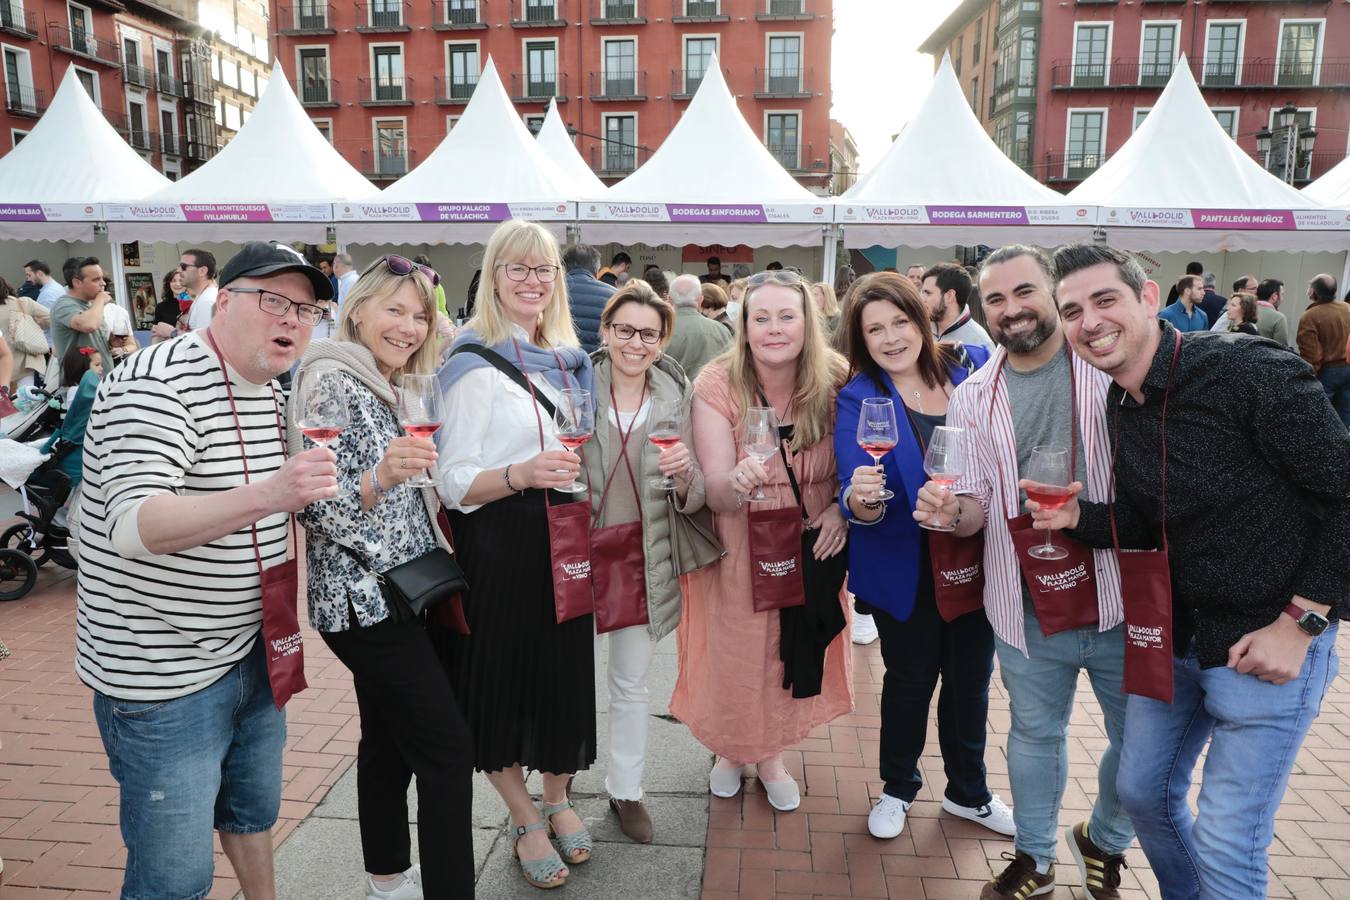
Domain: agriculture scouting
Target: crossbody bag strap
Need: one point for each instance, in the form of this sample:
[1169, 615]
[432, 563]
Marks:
[1115, 448]
[503, 365]
[623, 454]
[787, 463]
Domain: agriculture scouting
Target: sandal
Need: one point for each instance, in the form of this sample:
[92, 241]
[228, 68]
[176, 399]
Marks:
[543, 873]
[576, 848]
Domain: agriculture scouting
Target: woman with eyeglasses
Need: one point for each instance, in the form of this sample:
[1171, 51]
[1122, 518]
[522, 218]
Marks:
[641, 395]
[734, 661]
[410, 719]
[526, 683]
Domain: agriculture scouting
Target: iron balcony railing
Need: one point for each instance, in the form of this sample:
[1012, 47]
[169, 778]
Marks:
[25, 100]
[138, 76]
[452, 14]
[1250, 72]
[540, 86]
[17, 21]
[316, 91]
[384, 91]
[307, 18]
[169, 84]
[785, 81]
[538, 13]
[383, 16]
[618, 85]
[618, 12]
[455, 88]
[84, 43]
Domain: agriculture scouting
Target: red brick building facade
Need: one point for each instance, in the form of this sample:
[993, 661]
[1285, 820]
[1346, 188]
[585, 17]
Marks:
[1072, 80]
[386, 80]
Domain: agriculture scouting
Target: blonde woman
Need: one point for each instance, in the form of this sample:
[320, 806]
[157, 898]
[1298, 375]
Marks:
[828, 304]
[410, 720]
[730, 690]
[527, 684]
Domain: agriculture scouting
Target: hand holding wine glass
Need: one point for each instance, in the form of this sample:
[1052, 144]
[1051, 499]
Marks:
[945, 463]
[663, 429]
[576, 423]
[1048, 484]
[1054, 517]
[320, 406]
[877, 435]
[761, 443]
[420, 414]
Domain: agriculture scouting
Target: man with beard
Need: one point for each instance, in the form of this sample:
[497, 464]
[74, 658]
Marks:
[944, 290]
[1051, 619]
[1253, 633]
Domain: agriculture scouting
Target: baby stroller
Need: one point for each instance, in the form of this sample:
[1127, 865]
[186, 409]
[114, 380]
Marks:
[44, 489]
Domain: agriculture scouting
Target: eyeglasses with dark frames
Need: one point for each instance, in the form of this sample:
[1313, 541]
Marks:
[279, 305]
[625, 333]
[520, 271]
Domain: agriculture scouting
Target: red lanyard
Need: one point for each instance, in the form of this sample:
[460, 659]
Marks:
[1115, 448]
[623, 452]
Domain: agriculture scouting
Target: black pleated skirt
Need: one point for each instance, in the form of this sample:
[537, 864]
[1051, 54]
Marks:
[526, 683]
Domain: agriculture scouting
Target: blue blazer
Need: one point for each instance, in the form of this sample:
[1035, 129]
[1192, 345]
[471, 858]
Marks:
[883, 558]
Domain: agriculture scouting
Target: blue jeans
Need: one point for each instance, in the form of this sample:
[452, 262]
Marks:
[211, 758]
[1254, 730]
[1041, 689]
[1336, 382]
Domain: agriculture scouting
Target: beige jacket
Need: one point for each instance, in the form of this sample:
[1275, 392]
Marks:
[43, 317]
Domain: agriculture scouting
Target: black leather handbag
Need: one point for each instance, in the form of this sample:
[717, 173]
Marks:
[415, 587]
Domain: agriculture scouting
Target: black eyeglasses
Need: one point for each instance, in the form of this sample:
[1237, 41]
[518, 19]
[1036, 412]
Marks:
[401, 266]
[626, 332]
[278, 305]
[520, 271]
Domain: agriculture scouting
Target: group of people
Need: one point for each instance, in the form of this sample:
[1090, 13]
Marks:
[697, 497]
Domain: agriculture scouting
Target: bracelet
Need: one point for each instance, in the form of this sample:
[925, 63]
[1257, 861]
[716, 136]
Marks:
[379, 489]
[506, 476]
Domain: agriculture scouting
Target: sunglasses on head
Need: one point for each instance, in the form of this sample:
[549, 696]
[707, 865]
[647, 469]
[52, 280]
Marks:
[401, 266]
[781, 276]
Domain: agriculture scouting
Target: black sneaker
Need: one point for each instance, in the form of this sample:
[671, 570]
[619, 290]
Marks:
[1100, 870]
[1020, 880]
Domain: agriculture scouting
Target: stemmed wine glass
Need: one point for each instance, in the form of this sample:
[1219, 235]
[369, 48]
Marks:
[945, 463]
[878, 433]
[1049, 474]
[761, 440]
[320, 406]
[663, 430]
[420, 413]
[576, 422]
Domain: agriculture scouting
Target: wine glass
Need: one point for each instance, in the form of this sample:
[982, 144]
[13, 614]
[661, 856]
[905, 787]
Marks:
[320, 406]
[761, 440]
[945, 463]
[420, 413]
[1049, 474]
[576, 422]
[663, 430]
[878, 433]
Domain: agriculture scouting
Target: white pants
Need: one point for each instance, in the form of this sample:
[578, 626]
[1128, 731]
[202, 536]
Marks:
[630, 656]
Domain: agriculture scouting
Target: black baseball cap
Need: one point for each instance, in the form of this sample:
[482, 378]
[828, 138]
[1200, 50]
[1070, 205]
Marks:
[259, 259]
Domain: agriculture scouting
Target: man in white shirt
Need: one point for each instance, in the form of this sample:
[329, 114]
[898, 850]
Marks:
[346, 275]
[199, 277]
[49, 289]
[121, 336]
[945, 288]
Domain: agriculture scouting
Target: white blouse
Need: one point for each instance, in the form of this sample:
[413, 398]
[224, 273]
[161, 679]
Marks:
[490, 424]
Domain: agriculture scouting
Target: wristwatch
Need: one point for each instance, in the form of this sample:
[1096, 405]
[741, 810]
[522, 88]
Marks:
[1312, 622]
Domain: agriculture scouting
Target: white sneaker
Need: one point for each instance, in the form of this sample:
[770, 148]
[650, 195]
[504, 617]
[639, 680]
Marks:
[409, 888]
[887, 818]
[864, 629]
[725, 782]
[783, 796]
[994, 815]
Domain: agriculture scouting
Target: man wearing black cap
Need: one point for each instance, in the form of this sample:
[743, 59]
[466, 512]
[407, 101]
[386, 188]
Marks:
[186, 498]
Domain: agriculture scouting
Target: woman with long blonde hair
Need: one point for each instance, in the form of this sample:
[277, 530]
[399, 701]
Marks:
[526, 682]
[735, 662]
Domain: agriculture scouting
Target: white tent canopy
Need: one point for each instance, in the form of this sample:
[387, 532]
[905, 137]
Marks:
[278, 169]
[557, 144]
[944, 182]
[1333, 188]
[710, 181]
[1182, 182]
[52, 185]
[487, 169]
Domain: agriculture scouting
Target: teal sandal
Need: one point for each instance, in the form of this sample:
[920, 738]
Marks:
[576, 848]
[543, 873]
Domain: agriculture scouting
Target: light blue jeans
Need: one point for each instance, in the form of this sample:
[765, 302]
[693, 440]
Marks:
[1041, 688]
[1254, 729]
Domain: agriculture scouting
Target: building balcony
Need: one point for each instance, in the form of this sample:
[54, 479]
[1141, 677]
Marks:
[84, 45]
[538, 13]
[455, 89]
[684, 83]
[1018, 12]
[307, 18]
[785, 82]
[137, 76]
[142, 140]
[18, 22]
[1313, 165]
[613, 160]
[619, 12]
[1246, 74]
[383, 17]
[169, 85]
[618, 86]
[380, 167]
[530, 87]
[384, 91]
[689, 11]
[791, 156]
[171, 145]
[457, 15]
[200, 151]
[317, 92]
[784, 11]
[25, 100]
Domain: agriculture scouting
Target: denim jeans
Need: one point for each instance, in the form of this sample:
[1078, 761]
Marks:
[1254, 730]
[1336, 382]
[211, 758]
[1041, 689]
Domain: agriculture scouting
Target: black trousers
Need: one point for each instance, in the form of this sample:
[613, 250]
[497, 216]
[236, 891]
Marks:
[916, 652]
[411, 725]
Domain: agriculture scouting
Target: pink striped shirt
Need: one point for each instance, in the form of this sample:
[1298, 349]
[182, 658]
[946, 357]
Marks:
[980, 406]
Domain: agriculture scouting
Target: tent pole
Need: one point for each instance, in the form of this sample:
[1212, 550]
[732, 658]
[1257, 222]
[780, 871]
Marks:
[119, 278]
[832, 233]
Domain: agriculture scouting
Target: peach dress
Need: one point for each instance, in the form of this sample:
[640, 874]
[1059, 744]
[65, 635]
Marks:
[730, 685]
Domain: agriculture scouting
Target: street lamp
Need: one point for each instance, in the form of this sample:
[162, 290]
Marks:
[1288, 148]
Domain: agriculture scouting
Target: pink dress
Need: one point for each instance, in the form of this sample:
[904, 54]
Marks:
[730, 686]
